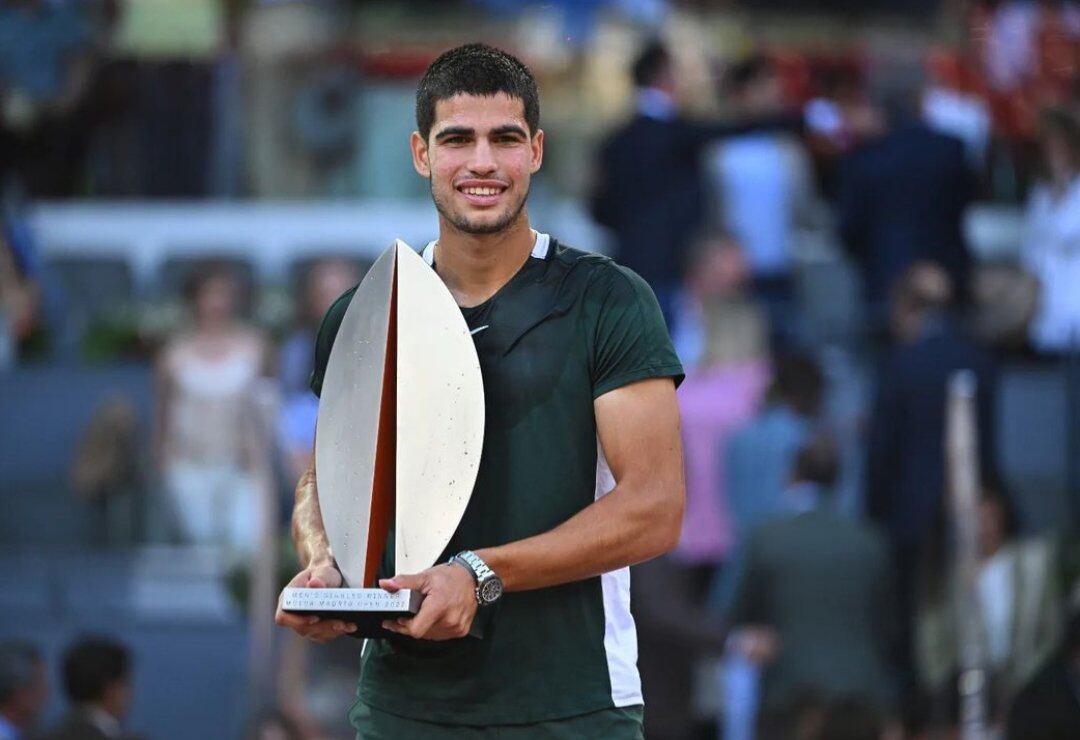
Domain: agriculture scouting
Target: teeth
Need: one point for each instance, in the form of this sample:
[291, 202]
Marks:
[480, 191]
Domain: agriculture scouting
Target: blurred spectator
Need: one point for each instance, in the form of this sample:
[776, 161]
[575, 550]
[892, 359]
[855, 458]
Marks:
[208, 443]
[1019, 600]
[814, 605]
[649, 188]
[19, 301]
[902, 199]
[1048, 708]
[47, 63]
[324, 283]
[1051, 248]
[906, 453]
[760, 456]
[23, 689]
[97, 681]
[764, 186]
[722, 390]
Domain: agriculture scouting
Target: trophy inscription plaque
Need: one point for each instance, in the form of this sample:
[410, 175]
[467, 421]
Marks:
[398, 438]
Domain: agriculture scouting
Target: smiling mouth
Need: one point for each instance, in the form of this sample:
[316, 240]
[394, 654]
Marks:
[481, 191]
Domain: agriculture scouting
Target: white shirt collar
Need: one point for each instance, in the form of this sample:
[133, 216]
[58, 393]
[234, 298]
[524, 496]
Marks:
[541, 245]
[99, 718]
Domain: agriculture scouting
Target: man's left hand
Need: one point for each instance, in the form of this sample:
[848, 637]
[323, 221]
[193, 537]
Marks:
[449, 604]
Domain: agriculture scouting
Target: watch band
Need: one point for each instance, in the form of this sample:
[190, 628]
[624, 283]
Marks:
[488, 584]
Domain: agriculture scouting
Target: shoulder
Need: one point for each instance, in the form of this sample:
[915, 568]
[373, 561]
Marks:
[600, 276]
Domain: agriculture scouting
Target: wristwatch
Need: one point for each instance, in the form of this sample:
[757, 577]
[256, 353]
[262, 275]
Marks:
[489, 587]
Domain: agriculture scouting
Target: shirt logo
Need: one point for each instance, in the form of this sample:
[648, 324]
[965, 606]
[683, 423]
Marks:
[479, 329]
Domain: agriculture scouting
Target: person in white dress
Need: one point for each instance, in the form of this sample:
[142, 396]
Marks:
[210, 442]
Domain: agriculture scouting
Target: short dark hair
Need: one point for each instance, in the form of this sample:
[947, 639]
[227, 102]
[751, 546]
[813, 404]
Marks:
[19, 663]
[475, 69]
[653, 61]
[798, 382]
[91, 665]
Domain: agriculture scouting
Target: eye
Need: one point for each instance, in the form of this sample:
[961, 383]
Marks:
[453, 140]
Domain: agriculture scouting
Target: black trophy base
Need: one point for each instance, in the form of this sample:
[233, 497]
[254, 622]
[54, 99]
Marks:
[367, 608]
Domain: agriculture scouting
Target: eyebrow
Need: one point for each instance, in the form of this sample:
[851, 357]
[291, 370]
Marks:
[509, 128]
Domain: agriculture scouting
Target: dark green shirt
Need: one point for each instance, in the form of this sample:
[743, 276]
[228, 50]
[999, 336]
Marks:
[567, 328]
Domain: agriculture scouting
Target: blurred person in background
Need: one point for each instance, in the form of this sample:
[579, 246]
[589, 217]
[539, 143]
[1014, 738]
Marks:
[19, 301]
[723, 389]
[905, 470]
[1020, 605]
[48, 60]
[902, 198]
[325, 281]
[97, 682]
[814, 605]
[1051, 246]
[765, 189]
[1048, 707]
[24, 689]
[208, 431]
[649, 187]
[761, 453]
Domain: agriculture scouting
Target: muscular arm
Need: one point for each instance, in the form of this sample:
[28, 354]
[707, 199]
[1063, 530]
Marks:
[309, 537]
[639, 519]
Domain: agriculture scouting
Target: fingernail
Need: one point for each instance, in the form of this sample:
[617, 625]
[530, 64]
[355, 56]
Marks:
[350, 628]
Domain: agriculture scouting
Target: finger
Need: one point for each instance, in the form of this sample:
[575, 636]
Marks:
[430, 613]
[404, 580]
[391, 625]
[327, 576]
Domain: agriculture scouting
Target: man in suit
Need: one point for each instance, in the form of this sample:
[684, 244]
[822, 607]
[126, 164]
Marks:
[902, 198]
[815, 602]
[97, 681]
[649, 187]
[906, 453]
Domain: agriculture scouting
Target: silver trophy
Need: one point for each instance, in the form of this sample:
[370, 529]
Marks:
[398, 438]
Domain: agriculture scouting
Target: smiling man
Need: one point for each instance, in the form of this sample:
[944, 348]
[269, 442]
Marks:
[581, 473]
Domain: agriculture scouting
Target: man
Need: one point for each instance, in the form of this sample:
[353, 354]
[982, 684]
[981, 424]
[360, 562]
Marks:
[902, 199]
[815, 601]
[649, 188]
[905, 469]
[766, 192]
[97, 681]
[581, 473]
[23, 688]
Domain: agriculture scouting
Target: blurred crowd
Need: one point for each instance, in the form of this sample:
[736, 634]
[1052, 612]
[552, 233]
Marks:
[817, 589]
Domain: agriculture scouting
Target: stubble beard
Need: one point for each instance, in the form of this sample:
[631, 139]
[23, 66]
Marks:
[464, 225]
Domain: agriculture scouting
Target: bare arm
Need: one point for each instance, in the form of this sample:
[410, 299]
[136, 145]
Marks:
[309, 536]
[319, 568]
[639, 519]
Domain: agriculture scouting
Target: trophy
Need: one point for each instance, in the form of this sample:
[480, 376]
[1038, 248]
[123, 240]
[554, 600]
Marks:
[398, 438]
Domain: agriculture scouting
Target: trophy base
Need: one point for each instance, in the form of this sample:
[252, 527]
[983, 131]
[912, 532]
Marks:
[364, 607]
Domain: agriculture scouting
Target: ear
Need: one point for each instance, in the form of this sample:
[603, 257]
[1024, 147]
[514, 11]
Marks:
[420, 153]
[537, 145]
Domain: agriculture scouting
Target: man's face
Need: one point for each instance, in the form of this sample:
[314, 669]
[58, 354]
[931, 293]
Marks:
[479, 158]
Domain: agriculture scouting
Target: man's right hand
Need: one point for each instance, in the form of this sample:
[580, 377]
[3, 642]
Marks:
[314, 628]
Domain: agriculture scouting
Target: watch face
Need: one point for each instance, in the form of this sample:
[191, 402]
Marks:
[490, 590]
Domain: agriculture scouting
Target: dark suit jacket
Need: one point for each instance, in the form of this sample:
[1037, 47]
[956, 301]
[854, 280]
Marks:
[76, 726]
[650, 190]
[902, 199]
[906, 466]
[1048, 708]
[824, 582]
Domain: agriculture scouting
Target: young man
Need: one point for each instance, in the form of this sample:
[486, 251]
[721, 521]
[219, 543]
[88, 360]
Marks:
[581, 474]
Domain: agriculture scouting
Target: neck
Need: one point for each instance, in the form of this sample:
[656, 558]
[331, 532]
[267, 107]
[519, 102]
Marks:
[475, 266]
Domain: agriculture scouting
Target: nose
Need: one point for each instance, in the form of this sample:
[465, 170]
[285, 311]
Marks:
[483, 159]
